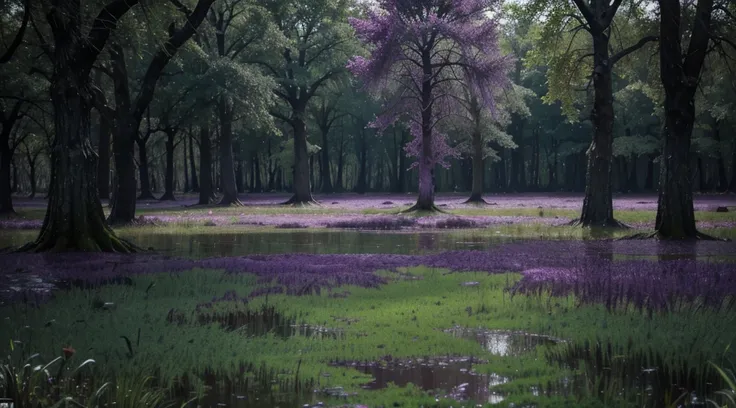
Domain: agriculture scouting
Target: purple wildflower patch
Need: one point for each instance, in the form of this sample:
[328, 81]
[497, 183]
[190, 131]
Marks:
[592, 270]
[375, 223]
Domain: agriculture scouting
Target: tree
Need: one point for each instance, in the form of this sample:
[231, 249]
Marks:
[8, 120]
[129, 112]
[596, 17]
[317, 48]
[486, 131]
[680, 74]
[243, 31]
[74, 218]
[324, 115]
[420, 49]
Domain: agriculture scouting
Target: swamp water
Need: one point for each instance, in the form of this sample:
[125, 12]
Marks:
[596, 371]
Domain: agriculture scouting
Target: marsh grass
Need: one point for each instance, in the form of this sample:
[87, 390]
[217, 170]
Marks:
[404, 318]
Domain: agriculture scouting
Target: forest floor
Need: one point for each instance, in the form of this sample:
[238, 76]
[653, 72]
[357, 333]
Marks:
[352, 304]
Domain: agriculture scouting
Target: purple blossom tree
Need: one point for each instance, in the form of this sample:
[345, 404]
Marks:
[423, 50]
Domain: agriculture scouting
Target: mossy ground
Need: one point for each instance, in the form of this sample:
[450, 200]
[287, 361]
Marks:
[404, 318]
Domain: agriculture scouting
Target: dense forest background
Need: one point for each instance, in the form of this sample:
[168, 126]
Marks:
[199, 96]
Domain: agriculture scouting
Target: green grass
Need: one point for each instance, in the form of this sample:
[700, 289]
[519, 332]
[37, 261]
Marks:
[401, 319]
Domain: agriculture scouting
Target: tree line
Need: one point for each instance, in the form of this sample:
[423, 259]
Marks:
[120, 99]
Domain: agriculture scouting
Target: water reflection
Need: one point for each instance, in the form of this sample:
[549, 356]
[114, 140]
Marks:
[446, 377]
[644, 378]
[504, 343]
[314, 242]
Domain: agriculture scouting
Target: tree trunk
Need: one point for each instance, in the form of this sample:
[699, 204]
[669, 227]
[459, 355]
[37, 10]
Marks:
[6, 156]
[722, 180]
[302, 190]
[169, 176]
[702, 176]
[143, 169]
[193, 167]
[360, 186]
[187, 188]
[675, 213]
[339, 185]
[649, 182]
[103, 164]
[74, 218]
[14, 188]
[31, 160]
[124, 202]
[228, 185]
[206, 192]
[325, 165]
[732, 186]
[679, 73]
[633, 184]
[476, 193]
[518, 172]
[598, 202]
[257, 172]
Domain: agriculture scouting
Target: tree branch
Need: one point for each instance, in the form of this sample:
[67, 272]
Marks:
[626, 51]
[165, 53]
[587, 14]
[8, 55]
[102, 26]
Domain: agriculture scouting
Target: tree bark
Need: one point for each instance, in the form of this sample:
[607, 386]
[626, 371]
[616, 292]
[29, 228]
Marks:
[302, 190]
[339, 185]
[144, 167]
[6, 158]
[131, 112]
[169, 176]
[425, 199]
[32, 175]
[679, 73]
[193, 167]
[722, 185]
[74, 218]
[360, 185]
[649, 182]
[228, 184]
[476, 193]
[325, 164]
[598, 202]
[257, 172]
[206, 192]
[732, 186]
[103, 164]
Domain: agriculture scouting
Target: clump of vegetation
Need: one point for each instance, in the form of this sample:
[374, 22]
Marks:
[456, 223]
[375, 223]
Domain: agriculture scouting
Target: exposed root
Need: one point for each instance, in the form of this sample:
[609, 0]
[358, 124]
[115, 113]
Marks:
[230, 202]
[294, 201]
[108, 242]
[416, 208]
[167, 197]
[476, 201]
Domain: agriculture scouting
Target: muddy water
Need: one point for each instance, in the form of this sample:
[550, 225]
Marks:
[444, 377]
[453, 377]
